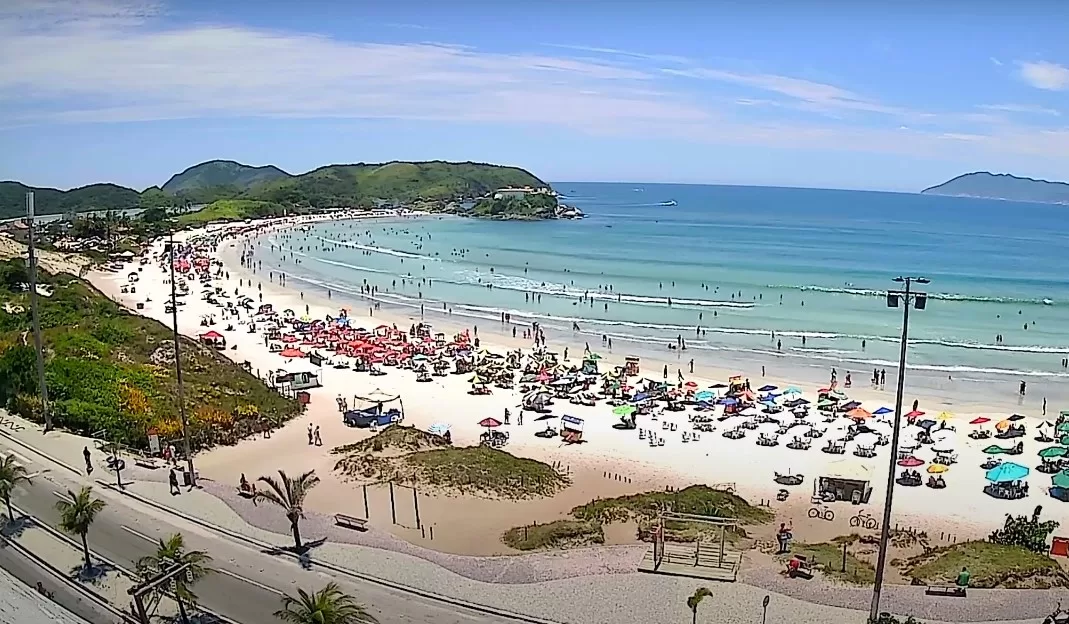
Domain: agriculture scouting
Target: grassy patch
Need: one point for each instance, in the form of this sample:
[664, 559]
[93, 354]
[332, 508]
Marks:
[555, 535]
[114, 371]
[475, 470]
[696, 499]
[396, 439]
[990, 565]
[828, 558]
[230, 210]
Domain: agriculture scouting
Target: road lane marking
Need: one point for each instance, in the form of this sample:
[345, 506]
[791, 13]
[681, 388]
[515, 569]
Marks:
[137, 533]
[250, 581]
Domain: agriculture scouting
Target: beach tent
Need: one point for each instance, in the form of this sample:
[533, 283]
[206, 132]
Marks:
[1007, 472]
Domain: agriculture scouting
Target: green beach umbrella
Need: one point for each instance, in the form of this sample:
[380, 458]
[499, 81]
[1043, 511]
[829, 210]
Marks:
[1060, 480]
[593, 356]
[1054, 451]
[1064, 440]
[624, 410]
[1063, 427]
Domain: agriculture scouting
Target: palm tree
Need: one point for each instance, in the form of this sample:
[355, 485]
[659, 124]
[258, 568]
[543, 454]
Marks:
[288, 493]
[78, 513]
[326, 606]
[11, 474]
[695, 600]
[172, 552]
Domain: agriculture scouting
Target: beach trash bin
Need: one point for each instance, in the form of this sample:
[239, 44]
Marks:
[304, 398]
[185, 477]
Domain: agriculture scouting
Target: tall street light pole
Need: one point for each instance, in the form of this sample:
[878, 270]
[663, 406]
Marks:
[37, 344]
[907, 297]
[178, 366]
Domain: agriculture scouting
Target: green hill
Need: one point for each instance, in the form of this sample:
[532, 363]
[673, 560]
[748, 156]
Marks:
[1003, 186]
[532, 206]
[362, 184]
[222, 173]
[53, 201]
[430, 185]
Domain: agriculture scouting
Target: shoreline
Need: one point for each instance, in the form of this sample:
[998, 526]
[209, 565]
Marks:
[621, 456]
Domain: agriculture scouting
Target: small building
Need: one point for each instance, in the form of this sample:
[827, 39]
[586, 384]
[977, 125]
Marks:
[511, 192]
[299, 380]
[845, 480]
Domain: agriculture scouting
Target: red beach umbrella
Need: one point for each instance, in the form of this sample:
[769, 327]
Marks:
[859, 413]
[291, 352]
[914, 414]
[489, 423]
[910, 462]
[979, 420]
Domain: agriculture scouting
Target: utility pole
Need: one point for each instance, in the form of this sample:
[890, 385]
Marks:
[920, 300]
[37, 344]
[178, 366]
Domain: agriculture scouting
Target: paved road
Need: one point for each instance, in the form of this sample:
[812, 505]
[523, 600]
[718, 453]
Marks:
[81, 609]
[248, 584]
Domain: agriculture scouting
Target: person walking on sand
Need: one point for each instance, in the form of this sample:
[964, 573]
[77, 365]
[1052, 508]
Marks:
[88, 460]
[1044, 406]
[666, 372]
[311, 439]
[318, 440]
[172, 480]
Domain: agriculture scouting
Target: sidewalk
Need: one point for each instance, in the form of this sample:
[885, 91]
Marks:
[106, 580]
[607, 598]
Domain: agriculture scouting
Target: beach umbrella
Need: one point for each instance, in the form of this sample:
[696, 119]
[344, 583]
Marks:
[1060, 480]
[475, 379]
[291, 353]
[866, 439]
[438, 429]
[1015, 418]
[768, 388]
[690, 384]
[1054, 451]
[851, 405]
[910, 462]
[937, 469]
[624, 410]
[944, 416]
[593, 356]
[927, 423]
[704, 395]
[718, 386]
[979, 420]
[1007, 472]
[727, 401]
[489, 423]
[859, 414]
[883, 410]
[1003, 425]
[914, 414]
[792, 390]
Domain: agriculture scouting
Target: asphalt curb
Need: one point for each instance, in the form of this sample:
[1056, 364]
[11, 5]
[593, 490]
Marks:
[473, 606]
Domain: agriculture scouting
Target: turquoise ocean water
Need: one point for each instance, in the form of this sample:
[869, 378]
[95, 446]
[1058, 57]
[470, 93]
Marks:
[739, 263]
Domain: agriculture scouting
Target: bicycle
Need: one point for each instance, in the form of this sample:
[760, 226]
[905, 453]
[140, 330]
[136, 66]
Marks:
[824, 513]
[864, 520]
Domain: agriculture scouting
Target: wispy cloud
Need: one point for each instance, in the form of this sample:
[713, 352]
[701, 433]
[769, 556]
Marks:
[116, 61]
[1026, 109]
[996, 62]
[1045, 75]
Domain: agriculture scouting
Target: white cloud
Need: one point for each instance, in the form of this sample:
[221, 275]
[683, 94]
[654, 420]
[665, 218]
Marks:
[1045, 75]
[817, 95]
[1027, 109]
[996, 62]
[118, 61]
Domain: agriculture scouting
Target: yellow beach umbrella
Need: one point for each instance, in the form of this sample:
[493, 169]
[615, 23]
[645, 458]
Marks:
[476, 380]
[937, 469]
[1003, 425]
[945, 416]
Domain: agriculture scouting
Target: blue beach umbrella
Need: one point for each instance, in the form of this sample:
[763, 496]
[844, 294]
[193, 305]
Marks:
[704, 395]
[792, 390]
[1009, 471]
[883, 410]
[727, 401]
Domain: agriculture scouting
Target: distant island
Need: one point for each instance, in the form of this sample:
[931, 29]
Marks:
[243, 191]
[983, 184]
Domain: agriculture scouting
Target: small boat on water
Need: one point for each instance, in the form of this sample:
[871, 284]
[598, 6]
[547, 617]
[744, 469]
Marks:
[670, 202]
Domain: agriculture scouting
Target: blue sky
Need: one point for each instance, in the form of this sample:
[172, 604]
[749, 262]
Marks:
[799, 93]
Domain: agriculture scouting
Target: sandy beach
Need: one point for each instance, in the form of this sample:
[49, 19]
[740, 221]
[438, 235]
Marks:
[609, 463]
